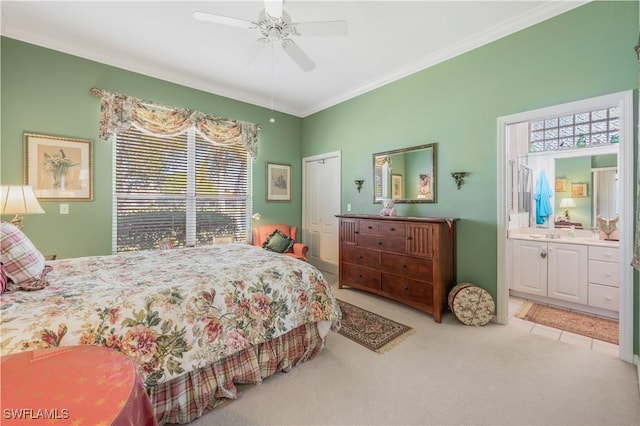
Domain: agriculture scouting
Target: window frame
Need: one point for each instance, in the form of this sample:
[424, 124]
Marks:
[190, 196]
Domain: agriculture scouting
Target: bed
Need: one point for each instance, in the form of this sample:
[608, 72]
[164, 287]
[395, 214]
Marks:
[197, 321]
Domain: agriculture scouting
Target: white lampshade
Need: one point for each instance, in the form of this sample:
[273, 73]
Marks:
[18, 200]
[567, 202]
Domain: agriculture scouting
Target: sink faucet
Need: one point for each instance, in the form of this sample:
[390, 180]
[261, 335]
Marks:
[551, 235]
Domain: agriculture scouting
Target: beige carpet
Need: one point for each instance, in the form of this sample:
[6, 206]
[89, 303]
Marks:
[444, 374]
[603, 329]
[371, 330]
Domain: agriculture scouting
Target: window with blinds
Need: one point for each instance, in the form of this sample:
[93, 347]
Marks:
[180, 188]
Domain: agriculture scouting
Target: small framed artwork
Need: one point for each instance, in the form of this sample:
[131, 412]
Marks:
[578, 190]
[278, 182]
[561, 185]
[58, 168]
[396, 187]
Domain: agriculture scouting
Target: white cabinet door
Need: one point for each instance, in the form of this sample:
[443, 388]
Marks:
[567, 272]
[530, 267]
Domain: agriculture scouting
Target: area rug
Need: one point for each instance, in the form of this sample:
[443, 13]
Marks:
[371, 330]
[575, 322]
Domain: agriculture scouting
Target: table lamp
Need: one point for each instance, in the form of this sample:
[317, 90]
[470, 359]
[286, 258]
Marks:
[18, 200]
[567, 203]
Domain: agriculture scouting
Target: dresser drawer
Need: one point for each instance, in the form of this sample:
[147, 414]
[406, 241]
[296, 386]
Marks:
[602, 296]
[608, 254]
[369, 227]
[407, 289]
[359, 276]
[406, 266]
[606, 273]
[377, 242]
[393, 229]
[360, 256]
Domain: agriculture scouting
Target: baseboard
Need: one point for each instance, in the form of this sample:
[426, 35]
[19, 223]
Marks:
[636, 361]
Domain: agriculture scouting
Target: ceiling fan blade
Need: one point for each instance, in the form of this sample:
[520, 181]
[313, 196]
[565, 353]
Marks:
[274, 8]
[298, 56]
[225, 20]
[321, 28]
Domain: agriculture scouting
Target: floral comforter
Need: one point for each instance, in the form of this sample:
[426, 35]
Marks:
[172, 311]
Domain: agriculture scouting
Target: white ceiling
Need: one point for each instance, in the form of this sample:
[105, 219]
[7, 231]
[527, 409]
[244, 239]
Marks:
[387, 40]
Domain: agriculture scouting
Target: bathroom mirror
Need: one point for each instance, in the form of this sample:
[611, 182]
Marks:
[592, 184]
[406, 175]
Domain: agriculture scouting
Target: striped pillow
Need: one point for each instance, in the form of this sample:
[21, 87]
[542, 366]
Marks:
[3, 279]
[22, 261]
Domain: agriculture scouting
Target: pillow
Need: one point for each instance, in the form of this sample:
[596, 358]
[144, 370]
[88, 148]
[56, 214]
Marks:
[278, 242]
[3, 279]
[22, 261]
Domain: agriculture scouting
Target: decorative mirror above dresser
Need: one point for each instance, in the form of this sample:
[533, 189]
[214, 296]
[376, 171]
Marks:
[406, 175]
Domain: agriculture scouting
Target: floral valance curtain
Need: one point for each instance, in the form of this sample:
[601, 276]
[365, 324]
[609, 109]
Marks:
[120, 112]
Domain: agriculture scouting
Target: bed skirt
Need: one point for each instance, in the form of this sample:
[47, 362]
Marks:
[188, 397]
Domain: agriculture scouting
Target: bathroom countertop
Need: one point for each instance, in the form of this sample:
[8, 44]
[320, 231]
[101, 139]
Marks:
[560, 236]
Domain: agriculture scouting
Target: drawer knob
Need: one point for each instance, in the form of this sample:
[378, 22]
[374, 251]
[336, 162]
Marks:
[607, 274]
[393, 229]
[370, 227]
[379, 243]
[406, 287]
[608, 299]
[404, 266]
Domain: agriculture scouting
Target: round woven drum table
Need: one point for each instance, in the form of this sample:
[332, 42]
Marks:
[471, 304]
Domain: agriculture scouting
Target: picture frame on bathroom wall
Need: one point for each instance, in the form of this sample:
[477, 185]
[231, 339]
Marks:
[578, 190]
[561, 185]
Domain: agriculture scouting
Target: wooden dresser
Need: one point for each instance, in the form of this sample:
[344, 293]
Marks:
[408, 259]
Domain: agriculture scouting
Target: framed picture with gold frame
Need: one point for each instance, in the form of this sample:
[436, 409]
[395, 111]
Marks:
[278, 182]
[578, 190]
[58, 168]
[561, 185]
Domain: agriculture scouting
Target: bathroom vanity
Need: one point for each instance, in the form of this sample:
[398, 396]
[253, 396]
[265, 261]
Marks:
[576, 272]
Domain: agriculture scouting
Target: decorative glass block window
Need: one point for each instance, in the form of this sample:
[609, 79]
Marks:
[591, 128]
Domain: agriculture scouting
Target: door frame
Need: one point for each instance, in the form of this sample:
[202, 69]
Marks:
[313, 158]
[625, 169]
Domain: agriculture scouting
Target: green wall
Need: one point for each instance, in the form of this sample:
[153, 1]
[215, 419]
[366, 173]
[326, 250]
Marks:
[575, 170]
[584, 53]
[47, 92]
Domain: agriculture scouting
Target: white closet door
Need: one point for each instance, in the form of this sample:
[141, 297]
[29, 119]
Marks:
[321, 202]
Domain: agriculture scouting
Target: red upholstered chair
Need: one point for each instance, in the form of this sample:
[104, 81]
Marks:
[260, 234]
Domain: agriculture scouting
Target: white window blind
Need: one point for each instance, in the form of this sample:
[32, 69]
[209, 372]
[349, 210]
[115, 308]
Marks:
[182, 188]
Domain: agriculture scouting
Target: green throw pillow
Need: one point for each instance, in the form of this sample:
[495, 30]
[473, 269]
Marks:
[278, 242]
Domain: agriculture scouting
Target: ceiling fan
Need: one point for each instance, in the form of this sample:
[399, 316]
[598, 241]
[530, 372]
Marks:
[274, 25]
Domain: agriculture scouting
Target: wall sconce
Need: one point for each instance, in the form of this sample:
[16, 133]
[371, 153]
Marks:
[459, 178]
[256, 216]
[359, 183]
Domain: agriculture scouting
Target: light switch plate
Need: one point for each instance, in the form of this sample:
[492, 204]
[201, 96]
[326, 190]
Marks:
[64, 208]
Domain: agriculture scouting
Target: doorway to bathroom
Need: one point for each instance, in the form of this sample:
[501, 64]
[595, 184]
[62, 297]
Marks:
[514, 214]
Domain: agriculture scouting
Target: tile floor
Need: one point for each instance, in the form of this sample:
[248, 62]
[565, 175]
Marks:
[559, 335]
